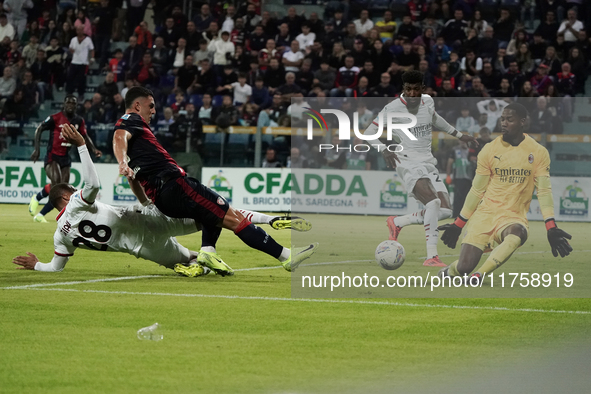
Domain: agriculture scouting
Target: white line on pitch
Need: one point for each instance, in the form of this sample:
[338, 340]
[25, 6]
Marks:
[320, 300]
[77, 282]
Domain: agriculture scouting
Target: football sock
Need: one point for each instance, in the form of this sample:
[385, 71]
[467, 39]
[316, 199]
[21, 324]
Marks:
[419, 217]
[46, 209]
[453, 269]
[209, 236]
[430, 224]
[44, 192]
[284, 255]
[256, 217]
[501, 254]
[257, 238]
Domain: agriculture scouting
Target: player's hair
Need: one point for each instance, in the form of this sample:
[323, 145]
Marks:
[519, 109]
[57, 191]
[70, 96]
[411, 77]
[135, 93]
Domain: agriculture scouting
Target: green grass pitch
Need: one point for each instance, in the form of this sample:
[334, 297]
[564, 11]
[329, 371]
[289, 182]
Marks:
[245, 334]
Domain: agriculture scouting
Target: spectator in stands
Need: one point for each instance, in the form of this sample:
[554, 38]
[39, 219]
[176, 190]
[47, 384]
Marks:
[30, 51]
[579, 67]
[316, 55]
[463, 173]
[129, 83]
[337, 58]
[145, 73]
[186, 76]
[118, 109]
[339, 22]
[359, 53]
[551, 60]
[548, 28]
[206, 79]
[144, 36]
[248, 115]
[386, 27]
[206, 111]
[260, 94]
[471, 42]
[267, 53]
[571, 27]
[384, 88]
[238, 35]
[103, 20]
[226, 115]
[108, 89]
[504, 27]
[515, 43]
[254, 72]
[408, 60]
[488, 46]
[538, 48]
[256, 41]
[192, 36]
[305, 38]
[293, 20]
[223, 50]
[293, 59]
[583, 42]
[363, 25]
[283, 39]
[271, 160]
[270, 116]
[116, 66]
[170, 33]
[305, 77]
[212, 31]
[515, 77]
[465, 122]
[48, 34]
[241, 61]
[331, 36]
[202, 53]
[65, 35]
[82, 20]
[180, 53]
[493, 108]
[482, 121]
[541, 119]
[228, 78]
[504, 89]
[160, 56]
[524, 59]
[14, 55]
[82, 49]
[180, 19]
[96, 113]
[407, 31]
[228, 20]
[362, 88]
[132, 55]
[241, 90]
[16, 11]
[566, 81]
[179, 103]
[325, 76]
[168, 117]
[346, 80]
[296, 160]
[15, 108]
[454, 30]
[56, 57]
[477, 89]
[426, 40]
[528, 96]
[7, 84]
[350, 37]
[6, 29]
[490, 77]
[42, 75]
[289, 89]
[275, 75]
[470, 65]
[316, 25]
[369, 72]
[541, 79]
[201, 21]
[135, 14]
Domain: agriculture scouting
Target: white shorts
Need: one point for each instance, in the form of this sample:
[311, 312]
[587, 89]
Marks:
[412, 171]
[164, 251]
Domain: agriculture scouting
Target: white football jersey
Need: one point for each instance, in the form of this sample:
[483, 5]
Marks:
[419, 150]
[103, 227]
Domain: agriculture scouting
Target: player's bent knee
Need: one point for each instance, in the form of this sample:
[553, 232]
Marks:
[445, 213]
[435, 203]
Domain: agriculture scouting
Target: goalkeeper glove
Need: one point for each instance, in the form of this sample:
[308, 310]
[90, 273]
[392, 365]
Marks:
[452, 231]
[558, 239]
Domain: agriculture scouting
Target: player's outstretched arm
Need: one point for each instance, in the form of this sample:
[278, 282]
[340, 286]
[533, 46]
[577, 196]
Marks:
[120, 139]
[31, 262]
[440, 123]
[139, 192]
[40, 129]
[91, 180]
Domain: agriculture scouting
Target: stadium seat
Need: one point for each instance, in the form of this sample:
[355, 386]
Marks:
[196, 100]
[170, 99]
[237, 149]
[217, 100]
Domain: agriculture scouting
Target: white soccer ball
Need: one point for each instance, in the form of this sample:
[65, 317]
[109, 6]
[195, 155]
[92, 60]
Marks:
[390, 255]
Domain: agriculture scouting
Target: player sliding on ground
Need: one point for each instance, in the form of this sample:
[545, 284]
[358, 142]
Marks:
[57, 159]
[142, 231]
[141, 157]
[416, 164]
[508, 169]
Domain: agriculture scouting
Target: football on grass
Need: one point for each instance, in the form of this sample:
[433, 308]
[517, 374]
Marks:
[390, 255]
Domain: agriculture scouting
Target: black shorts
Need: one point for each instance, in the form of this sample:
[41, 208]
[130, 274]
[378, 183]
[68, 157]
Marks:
[62, 161]
[186, 197]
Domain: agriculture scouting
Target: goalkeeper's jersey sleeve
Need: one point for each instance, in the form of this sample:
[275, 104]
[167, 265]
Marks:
[512, 171]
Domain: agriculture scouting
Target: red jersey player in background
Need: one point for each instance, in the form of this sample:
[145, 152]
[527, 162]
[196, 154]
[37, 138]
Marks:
[57, 159]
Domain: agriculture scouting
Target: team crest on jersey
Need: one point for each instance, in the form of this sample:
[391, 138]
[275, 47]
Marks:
[530, 158]
[221, 201]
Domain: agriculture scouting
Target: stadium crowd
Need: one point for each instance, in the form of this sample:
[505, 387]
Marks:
[233, 63]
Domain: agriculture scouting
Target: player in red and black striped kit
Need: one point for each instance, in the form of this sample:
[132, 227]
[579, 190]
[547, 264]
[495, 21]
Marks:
[150, 169]
[57, 159]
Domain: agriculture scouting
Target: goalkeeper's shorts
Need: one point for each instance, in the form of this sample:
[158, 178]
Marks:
[485, 228]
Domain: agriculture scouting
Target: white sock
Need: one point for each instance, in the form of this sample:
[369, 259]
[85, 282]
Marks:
[209, 249]
[430, 223]
[419, 217]
[256, 217]
[284, 255]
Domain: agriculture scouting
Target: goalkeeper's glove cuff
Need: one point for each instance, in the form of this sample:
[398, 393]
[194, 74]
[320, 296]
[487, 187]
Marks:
[550, 224]
[460, 221]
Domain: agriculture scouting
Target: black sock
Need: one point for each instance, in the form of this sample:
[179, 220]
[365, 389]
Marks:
[257, 238]
[46, 209]
[43, 193]
[210, 235]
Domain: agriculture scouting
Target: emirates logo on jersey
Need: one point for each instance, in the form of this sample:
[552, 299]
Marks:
[530, 158]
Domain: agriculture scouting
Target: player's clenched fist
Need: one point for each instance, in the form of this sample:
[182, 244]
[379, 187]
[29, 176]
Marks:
[126, 171]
